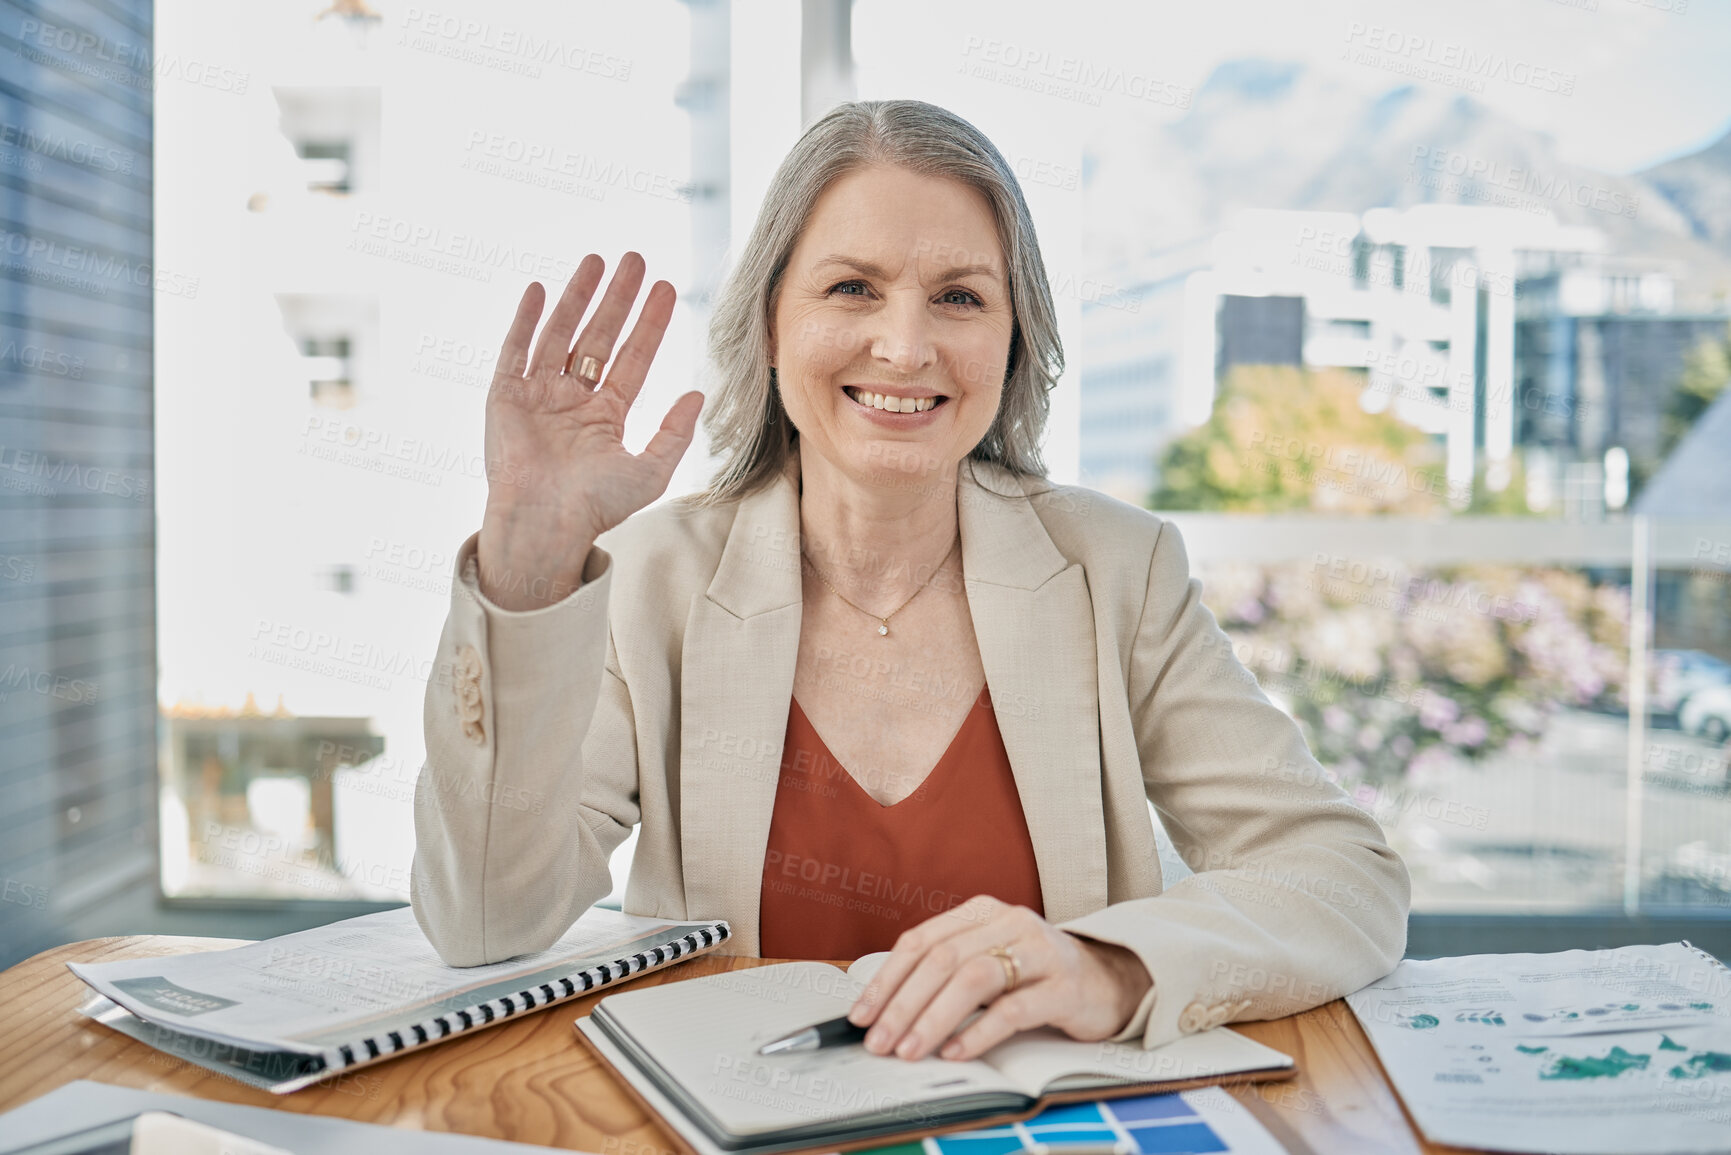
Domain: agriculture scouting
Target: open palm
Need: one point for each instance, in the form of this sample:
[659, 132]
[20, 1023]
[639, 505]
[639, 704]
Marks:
[558, 471]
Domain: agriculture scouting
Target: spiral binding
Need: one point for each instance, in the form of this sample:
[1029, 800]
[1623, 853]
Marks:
[456, 1022]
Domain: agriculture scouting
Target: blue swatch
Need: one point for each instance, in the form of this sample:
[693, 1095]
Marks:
[1169, 1106]
[1069, 1113]
[1178, 1139]
[967, 1143]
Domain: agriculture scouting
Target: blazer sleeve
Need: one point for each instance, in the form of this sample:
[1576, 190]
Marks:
[530, 781]
[1297, 897]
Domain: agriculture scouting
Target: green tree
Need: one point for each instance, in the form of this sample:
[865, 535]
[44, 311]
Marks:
[1706, 372]
[1282, 438]
[1509, 501]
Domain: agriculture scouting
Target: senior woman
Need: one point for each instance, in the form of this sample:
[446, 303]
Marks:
[880, 686]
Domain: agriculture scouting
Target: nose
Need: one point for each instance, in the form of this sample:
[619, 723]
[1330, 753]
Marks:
[902, 340]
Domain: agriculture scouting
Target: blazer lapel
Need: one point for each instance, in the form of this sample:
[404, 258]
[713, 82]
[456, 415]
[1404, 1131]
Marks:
[736, 687]
[1035, 624]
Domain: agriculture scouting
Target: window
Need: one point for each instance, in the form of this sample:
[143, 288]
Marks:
[328, 165]
[1492, 586]
[1481, 582]
[328, 370]
[335, 132]
[327, 405]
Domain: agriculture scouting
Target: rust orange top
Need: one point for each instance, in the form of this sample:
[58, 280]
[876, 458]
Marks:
[845, 874]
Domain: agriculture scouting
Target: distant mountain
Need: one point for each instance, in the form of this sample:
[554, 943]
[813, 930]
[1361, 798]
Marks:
[1700, 186]
[1277, 135]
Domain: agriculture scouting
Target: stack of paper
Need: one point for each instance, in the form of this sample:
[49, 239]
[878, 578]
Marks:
[286, 1012]
[1615, 1052]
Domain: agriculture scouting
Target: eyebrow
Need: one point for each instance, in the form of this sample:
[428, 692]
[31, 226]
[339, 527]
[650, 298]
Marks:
[950, 274]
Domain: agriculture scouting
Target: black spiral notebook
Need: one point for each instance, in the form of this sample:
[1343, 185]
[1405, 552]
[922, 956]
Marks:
[286, 1012]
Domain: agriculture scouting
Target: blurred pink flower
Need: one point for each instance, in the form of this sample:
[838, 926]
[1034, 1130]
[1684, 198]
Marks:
[1438, 711]
[1469, 732]
[1461, 662]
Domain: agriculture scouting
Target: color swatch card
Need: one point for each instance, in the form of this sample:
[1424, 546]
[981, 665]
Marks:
[1200, 1122]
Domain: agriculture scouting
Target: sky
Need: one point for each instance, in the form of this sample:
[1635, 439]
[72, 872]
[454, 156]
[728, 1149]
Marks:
[1648, 77]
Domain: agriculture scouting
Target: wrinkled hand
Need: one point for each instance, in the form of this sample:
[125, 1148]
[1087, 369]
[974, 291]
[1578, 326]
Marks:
[940, 971]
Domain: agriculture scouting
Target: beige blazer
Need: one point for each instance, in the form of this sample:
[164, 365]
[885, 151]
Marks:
[658, 694]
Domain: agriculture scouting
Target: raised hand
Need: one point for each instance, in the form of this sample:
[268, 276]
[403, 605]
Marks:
[559, 474]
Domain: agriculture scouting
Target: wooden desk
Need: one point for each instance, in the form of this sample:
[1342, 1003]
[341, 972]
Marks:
[529, 1081]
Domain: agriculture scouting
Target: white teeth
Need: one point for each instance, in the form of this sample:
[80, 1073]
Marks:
[892, 404]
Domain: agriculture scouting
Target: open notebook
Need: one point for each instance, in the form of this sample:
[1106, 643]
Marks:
[689, 1050]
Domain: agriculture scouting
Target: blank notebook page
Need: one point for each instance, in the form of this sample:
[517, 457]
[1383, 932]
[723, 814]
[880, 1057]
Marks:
[706, 1033]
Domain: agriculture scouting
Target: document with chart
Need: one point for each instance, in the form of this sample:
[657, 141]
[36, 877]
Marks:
[1613, 1052]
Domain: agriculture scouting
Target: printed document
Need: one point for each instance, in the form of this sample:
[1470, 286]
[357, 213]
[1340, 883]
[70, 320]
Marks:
[1614, 1052]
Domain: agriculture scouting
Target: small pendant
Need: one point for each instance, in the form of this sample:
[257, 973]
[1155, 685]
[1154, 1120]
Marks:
[883, 629]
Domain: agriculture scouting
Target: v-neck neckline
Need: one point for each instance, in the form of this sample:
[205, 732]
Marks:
[917, 790]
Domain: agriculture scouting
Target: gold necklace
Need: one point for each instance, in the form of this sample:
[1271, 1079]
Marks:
[884, 621]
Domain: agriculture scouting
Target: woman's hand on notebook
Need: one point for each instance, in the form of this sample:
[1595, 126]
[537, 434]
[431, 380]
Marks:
[943, 969]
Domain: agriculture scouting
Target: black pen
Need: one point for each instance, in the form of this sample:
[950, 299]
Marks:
[834, 1033]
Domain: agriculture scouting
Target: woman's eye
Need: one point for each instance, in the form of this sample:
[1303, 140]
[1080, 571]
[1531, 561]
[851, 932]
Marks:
[849, 285]
[951, 296]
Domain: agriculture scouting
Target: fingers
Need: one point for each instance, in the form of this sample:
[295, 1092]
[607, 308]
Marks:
[907, 953]
[946, 972]
[573, 303]
[603, 328]
[975, 981]
[952, 972]
[1027, 1008]
[628, 371]
[890, 1031]
[670, 441]
[515, 354]
[960, 975]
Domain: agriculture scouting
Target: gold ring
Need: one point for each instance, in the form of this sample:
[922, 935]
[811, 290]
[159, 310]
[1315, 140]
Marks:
[1012, 972]
[589, 368]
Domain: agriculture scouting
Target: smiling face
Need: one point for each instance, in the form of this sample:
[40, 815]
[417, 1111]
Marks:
[891, 331]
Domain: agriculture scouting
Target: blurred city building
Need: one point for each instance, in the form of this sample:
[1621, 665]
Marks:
[1497, 330]
[78, 482]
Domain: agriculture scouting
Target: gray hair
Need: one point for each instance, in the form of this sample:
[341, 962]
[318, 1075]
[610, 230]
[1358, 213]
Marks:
[745, 419]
